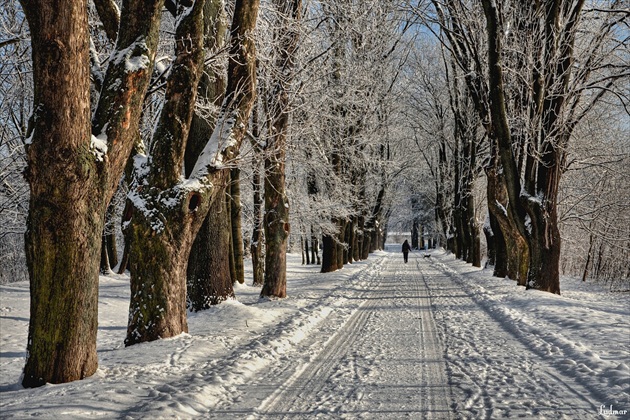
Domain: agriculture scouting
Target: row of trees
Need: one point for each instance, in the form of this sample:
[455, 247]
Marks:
[150, 113]
[521, 80]
[76, 158]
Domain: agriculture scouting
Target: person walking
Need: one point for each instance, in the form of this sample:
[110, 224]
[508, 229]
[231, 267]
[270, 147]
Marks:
[405, 250]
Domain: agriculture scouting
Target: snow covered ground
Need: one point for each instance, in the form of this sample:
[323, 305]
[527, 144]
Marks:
[434, 338]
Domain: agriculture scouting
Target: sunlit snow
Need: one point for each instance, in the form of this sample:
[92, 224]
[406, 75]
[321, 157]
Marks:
[434, 338]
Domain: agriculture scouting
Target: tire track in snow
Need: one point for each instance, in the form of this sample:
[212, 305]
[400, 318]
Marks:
[498, 375]
[434, 370]
[213, 389]
[306, 384]
[388, 353]
[245, 400]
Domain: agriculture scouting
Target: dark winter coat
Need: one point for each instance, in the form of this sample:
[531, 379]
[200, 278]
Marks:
[406, 247]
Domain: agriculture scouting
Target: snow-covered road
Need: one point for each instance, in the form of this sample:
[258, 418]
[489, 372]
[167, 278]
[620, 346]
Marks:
[434, 338]
[495, 373]
[384, 361]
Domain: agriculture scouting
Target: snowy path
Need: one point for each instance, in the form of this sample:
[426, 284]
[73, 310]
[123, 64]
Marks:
[384, 362]
[497, 375]
[431, 339]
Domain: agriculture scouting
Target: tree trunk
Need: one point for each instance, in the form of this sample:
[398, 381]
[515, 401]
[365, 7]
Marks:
[544, 261]
[112, 251]
[496, 195]
[124, 262]
[72, 181]
[349, 252]
[329, 254]
[544, 238]
[276, 224]
[358, 248]
[63, 254]
[276, 201]
[516, 247]
[229, 250]
[501, 253]
[340, 243]
[105, 267]
[314, 248]
[490, 242]
[66, 208]
[367, 237]
[168, 215]
[205, 248]
[374, 240]
[158, 300]
[258, 261]
[589, 254]
[421, 239]
[474, 253]
[165, 219]
[414, 234]
[306, 259]
[208, 274]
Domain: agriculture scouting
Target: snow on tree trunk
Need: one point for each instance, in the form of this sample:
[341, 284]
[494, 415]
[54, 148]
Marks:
[205, 282]
[169, 209]
[73, 180]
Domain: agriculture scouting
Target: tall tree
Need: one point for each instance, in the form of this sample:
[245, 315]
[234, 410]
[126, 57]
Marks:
[208, 276]
[59, 217]
[73, 171]
[258, 261]
[289, 13]
[462, 37]
[533, 156]
[168, 208]
[236, 224]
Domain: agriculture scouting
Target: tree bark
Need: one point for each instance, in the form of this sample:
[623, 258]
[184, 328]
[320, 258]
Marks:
[105, 267]
[276, 221]
[350, 232]
[306, 258]
[329, 254]
[208, 275]
[159, 248]
[358, 248]
[414, 234]
[474, 252]
[237, 231]
[341, 235]
[110, 17]
[112, 251]
[513, 256]
[62, 256]
[208, 242]
[72, 181]
[276, 201]
[258, 261]
[168, 215]
[314, 248]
